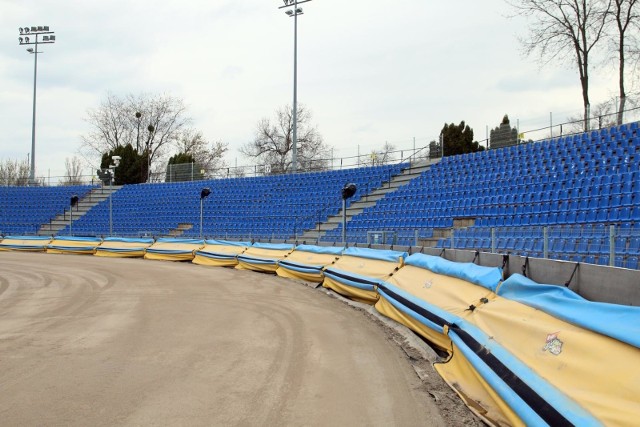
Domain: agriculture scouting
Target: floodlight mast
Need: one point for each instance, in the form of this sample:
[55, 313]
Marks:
[294, 13]
[48, 37]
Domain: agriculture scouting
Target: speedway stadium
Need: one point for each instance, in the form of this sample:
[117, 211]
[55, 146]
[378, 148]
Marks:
[519, 265]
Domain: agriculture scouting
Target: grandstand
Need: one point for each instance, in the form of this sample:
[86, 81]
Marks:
[574, 198]
[272, 207]
[24, 209]
[577, 187]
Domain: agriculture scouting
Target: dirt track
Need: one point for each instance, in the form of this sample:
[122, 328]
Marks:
[94, 341]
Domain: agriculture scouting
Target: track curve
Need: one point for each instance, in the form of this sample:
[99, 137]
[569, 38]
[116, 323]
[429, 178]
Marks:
[99, 341]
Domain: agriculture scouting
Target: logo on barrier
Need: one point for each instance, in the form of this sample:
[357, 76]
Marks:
[554, 345]
[428, 284]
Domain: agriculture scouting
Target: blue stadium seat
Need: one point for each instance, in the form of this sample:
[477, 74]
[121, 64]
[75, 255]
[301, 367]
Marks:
[634, 246]
[621, 245]
[590, 259]
[599, 245]
[602, 215]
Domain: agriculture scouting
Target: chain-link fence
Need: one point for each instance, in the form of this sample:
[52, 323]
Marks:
[614, 245]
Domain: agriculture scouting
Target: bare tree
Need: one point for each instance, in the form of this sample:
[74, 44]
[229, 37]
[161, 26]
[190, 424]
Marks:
[273, 143]
[73, 168]
[148, 122]
[603, 115]
[562, 29]
[14, 172]
[209, 157]
[382, 156]
[600, 112]
[623, 39]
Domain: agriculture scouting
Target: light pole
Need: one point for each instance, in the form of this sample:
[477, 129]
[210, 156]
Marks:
[151, 129]
[112, 174]
[138, 116]
[28, 36]
[203, 195]
[294, 13]
[347, 192]
[73, 202]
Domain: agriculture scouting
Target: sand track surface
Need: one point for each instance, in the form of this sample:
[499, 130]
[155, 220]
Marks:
[100, 341]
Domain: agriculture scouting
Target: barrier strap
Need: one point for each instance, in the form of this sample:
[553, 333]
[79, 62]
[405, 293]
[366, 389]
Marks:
[414, 307]
[536, 402]
[572, 274]
[525, 266]
[354, 279]
[291, 264]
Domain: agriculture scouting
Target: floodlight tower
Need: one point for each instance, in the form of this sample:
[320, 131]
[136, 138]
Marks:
[294, 13]
[28, 36]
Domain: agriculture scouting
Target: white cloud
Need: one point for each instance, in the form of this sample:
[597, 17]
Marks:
[370, 71]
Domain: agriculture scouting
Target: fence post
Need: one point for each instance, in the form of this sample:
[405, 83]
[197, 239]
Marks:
[545, 242]
[493, 240]
[417, 234]
[612, 245]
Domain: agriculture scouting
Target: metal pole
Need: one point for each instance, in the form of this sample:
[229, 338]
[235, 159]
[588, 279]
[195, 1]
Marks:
[294, 156]
[71, 222]
[111, 203]
[612, 245]
[201, 208]
[486, 133]
[32, 172]
[138, 116]
[344, 221]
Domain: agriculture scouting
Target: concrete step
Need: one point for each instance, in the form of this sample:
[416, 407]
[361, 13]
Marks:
[180, 229]
[60, 221]
[373, 197]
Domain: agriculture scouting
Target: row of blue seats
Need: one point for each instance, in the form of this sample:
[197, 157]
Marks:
[25, 209]
[596, 245]
[280, 203]
[600, 256]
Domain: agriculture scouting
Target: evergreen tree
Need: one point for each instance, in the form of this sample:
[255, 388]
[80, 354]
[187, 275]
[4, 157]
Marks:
[458, 139]
[132, 168]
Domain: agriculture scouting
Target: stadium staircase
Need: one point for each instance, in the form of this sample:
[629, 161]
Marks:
[333, 222]
[180, 229]
[85, 204]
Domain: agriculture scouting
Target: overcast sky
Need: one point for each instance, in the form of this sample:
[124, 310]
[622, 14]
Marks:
[370, 71]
